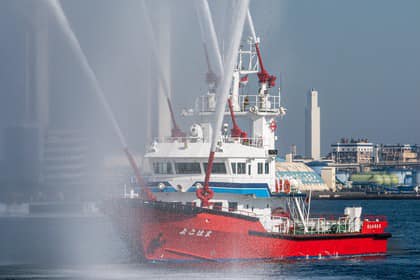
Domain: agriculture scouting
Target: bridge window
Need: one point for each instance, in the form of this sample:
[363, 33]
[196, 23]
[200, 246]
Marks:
[218, 168]
[162, 168]
[260, 167]
[238, 167]
[267, 168]
[187, 168]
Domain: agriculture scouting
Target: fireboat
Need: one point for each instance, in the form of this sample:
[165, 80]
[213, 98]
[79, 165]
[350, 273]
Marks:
[245, 211]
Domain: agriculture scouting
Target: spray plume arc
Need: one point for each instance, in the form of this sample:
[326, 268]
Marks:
[263, 76]
[176, 131]
[239, 14]
[64, 24]
[207, 30]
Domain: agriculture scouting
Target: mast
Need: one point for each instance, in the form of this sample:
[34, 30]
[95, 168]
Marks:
[265, 79]
[205, 194]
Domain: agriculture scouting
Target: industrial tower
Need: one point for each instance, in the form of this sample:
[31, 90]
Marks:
[312, 126]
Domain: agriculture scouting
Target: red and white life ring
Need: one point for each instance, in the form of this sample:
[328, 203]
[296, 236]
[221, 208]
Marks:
[273, 125]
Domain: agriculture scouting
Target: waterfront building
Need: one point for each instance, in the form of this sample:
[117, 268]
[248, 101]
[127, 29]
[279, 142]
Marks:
[398, 152]
[359, 151]
[312, 126]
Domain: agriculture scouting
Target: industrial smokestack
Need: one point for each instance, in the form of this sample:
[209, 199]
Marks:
[312, 126]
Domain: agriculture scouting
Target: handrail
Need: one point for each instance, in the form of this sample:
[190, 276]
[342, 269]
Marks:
[249, 141]
[374, 218]
[267, 103]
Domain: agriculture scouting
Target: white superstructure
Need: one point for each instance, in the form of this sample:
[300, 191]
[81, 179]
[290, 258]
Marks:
[244, 164]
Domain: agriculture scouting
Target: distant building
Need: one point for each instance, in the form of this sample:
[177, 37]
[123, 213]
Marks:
[21, 154]
[361, 151]
[399, 152]
[312, 126]
[293, 150]
[352, 151]
[65, 159]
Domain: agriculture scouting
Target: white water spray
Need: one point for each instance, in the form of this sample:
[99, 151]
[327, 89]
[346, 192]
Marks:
[251, 26]
[239, 14]
[207, 29]
[64, 24]
[154, 47]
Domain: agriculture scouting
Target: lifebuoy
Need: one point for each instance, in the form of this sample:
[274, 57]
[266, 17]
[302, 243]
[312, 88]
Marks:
[253, 109]
[273, 125]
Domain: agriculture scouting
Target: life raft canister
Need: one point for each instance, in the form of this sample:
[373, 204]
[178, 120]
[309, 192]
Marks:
[286, 186]
[279, 185]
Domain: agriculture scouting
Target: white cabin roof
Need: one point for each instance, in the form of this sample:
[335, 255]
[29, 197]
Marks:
[200, 150]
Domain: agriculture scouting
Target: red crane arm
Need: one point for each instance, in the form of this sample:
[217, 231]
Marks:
[236, 131]
[176, 131]
[263, 75]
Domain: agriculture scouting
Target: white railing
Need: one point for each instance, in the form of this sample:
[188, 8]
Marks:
[324, 226]
[242, 211]
[189, 139]
[280, 224]
[253, 142]
[261, 103]
[314, 225]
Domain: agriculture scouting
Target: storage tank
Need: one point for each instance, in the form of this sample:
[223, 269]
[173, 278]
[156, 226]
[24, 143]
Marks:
[394, 179]
[387, 179]
[378, 179]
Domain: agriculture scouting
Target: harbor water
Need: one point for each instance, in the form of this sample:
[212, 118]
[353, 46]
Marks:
[82, 247]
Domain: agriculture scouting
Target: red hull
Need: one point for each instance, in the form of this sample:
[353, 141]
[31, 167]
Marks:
[166, 231]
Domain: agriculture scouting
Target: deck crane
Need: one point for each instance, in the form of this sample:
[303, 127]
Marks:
[175, 131]
[236, 131]
[265, 79]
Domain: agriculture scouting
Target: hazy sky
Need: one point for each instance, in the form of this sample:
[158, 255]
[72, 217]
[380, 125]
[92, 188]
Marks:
[362, 56]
